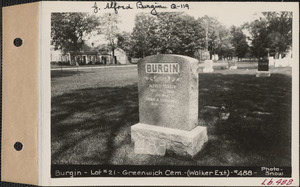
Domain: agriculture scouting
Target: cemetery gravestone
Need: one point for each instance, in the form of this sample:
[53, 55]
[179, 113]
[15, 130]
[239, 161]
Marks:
[232, 64]
[263, 65]
[215, 57]
[134, 60]
[205, 55]
[263, 68]
[168, 106]
[271, 61]
[208, 66]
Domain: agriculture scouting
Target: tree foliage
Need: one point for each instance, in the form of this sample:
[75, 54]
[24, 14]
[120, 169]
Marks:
[280, 30]
[166, 33]
[124, 42]
[68, 30]
[273, 31]
[210, 32]
[174, 33]
[109, 28]
[179, 33]
[223, 43]
[239, 42]
[143, 35]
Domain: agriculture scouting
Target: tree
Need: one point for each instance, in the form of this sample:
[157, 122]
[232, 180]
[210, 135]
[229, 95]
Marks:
[259, 32]
[210, 32]
[224, 47]
[273, 31]
[68, 30]
[216, 37]
[143, 35]
[109, 27]
[125, 42]
[179, 33]
[239, 41]
[166, 33]
[280, 31]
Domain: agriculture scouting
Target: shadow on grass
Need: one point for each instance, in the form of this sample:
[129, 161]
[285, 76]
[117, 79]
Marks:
[92, 126]
[258, 130]
[86, 124]
[64, 73]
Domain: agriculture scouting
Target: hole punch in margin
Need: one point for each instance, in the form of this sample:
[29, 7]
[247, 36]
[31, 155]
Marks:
[18, 146]
[18, 42]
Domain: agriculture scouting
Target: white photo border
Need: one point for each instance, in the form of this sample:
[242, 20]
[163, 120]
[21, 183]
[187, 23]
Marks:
[45, 95]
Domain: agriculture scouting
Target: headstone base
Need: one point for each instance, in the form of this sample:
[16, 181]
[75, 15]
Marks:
[263, 74]
[155, 140]
[208, 70]
[233, 67]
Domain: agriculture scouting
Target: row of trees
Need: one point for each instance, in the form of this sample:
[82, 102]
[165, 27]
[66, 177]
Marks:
[179, 33]
[176, 33]
[68, 30]
[271, 32]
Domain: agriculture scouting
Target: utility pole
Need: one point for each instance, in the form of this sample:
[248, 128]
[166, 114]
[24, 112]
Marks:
[111, 39]
[206, 36]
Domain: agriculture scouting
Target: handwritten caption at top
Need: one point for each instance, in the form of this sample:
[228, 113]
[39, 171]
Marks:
[153, 7]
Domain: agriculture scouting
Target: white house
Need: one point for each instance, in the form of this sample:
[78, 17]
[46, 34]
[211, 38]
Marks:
[89, 54]
[121, 56]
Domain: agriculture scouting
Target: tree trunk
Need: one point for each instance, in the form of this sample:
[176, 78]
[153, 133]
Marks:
[113, 55]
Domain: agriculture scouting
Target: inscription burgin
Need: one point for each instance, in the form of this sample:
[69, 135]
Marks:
[168, 107]
[168, 91]
[162, 91]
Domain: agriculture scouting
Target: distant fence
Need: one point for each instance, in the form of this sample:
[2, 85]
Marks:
[90, 67]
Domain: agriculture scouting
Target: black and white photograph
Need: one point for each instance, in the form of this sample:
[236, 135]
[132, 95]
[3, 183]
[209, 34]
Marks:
[152, 89]
[150, 93]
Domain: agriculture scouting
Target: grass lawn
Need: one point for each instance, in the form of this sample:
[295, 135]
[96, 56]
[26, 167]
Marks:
[92, 111]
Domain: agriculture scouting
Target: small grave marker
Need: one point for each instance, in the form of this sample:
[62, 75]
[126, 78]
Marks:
[232, 64]
[271, 61]
[263, 68]
[208, 66]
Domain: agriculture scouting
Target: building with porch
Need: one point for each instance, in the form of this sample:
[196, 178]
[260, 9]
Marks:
[89, 55]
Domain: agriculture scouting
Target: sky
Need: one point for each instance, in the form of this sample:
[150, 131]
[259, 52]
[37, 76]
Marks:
[227, 14]
[226, 19]
[236, 18]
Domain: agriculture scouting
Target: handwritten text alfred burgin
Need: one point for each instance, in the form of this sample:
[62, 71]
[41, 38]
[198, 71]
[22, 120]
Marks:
[152, 6]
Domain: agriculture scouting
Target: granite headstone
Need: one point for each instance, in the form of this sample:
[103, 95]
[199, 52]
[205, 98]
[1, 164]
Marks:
[168, 106]
[263, 68]
[168, 92]
[232, 64]
[271, 61]
[208, 66]
[263, 65]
